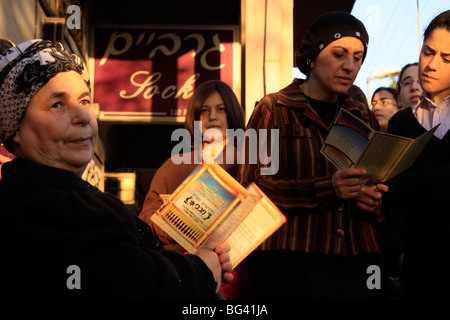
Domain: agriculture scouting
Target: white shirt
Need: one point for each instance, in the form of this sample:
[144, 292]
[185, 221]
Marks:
[430, 115]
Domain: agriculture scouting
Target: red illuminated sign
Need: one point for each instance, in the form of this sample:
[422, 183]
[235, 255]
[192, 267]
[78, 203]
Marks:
[149, 73]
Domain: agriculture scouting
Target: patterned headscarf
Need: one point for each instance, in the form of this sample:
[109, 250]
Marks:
[24, 70]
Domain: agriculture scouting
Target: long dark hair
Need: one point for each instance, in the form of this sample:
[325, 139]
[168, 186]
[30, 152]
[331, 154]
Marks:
[442, 20]
[399, 87]
[235, 113]
[390, 90]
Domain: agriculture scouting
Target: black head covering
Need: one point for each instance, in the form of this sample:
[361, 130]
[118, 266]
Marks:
[325, 29]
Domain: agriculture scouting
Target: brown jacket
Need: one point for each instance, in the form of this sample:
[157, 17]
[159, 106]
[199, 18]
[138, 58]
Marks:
[316, 220]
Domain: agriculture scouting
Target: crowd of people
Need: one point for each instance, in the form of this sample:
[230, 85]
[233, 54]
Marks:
[339, 225]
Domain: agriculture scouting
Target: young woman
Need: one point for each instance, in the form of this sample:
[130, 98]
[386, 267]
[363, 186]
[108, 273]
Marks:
[422, 192]
[408, 86]
[384, 105]
[329, 240]
[215, 106]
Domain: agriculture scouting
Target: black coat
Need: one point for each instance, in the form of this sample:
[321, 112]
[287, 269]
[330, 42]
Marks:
[422, 195]
[51, 219]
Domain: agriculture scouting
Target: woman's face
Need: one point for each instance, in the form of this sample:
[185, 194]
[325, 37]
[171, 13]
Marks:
[336, 67]
[434, 65]
[214, 116]
[59, 128]
[410, 89]
[384, 107]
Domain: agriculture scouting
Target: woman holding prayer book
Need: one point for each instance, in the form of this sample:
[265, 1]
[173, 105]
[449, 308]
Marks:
[212, 106]
[422, 192]
[329, 243]
[212, 109]
[62, 238]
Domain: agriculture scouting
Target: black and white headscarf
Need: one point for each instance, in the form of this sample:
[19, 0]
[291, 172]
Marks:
[24, 70]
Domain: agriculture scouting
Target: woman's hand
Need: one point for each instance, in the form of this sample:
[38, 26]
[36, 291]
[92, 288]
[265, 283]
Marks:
[222, 251]
[351, 184]
[218, 261]
[347, 183]
[370, 196]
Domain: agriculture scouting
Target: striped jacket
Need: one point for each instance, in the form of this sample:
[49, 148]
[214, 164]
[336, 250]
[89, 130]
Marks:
[316, 220]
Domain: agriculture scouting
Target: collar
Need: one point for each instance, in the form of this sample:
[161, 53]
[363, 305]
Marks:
[293, 96]
[33, 174]
[426, 103]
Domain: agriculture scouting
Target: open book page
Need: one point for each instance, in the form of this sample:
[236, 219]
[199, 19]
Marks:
[347, 140]
[412, 153]
[199, 205]
[353, 144]
[264, 219]
[382, 154]
[210, 206]
[227, 226]
[347, 145]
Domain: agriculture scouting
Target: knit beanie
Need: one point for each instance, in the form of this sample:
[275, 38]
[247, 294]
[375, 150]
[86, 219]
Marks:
[325, 29]
[24, 70]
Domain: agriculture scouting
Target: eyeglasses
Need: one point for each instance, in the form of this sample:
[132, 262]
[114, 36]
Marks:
[383, 103]
[408, 83]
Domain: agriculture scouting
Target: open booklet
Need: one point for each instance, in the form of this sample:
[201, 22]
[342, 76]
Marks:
[352, 143]
[211, 205]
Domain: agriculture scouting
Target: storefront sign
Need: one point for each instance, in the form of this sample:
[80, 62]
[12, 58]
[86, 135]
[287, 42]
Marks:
[150, 73]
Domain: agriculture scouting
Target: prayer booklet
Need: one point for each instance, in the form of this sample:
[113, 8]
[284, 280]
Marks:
[210, 206]
[353, 144]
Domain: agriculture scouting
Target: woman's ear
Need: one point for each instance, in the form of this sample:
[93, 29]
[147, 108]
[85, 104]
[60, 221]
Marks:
[399, 102]
[16, 137]
[16, 143]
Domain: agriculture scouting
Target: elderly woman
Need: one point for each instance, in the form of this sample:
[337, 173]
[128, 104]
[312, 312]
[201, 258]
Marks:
[60, 236]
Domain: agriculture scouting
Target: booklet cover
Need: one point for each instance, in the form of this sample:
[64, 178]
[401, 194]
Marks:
[211, 205]
[352, 143]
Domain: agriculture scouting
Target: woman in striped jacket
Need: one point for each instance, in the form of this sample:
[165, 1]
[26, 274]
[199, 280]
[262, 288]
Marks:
[329, 242]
